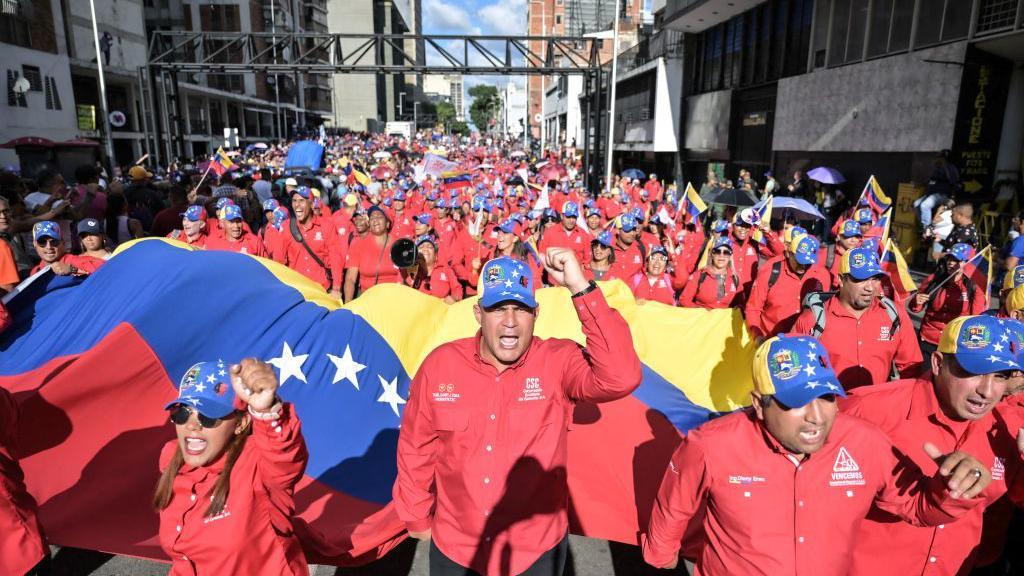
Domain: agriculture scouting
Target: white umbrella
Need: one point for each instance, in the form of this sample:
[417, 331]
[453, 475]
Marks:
[483, 166]
[517, 154]
[260, 145]
[382, 154]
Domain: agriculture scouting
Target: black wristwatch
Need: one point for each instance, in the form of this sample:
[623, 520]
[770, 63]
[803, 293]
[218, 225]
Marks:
[587, 290]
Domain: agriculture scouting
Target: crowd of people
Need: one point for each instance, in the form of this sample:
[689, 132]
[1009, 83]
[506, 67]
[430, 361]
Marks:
[871, 446]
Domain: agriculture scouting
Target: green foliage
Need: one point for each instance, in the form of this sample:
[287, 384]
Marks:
[486, 106]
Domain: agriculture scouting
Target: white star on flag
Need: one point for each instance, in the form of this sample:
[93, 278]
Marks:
[812, 356]
[809, 370]
[515, 273]
[1005, 337]
[200, 387]
[289, 365]
[211, 378]
[390, 394]
[997, 347]
[221, 373]
[346, 367]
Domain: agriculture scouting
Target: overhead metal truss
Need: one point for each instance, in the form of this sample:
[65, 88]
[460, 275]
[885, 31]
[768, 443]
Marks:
[315, 53]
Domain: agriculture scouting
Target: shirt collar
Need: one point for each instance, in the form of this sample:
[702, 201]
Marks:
[837, 308]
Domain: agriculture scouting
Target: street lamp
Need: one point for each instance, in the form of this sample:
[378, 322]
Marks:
[108, 139]
[604, 34]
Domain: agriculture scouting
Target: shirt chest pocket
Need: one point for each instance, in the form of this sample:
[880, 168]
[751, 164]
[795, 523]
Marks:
[448, 420]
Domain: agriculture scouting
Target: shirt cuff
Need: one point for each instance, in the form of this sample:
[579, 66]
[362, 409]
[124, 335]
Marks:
[591, 306]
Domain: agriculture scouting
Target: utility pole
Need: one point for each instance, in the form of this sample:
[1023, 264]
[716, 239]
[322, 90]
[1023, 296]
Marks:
[108, 140]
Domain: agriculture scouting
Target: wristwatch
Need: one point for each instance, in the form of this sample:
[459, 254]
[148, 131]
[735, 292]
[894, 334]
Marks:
[587, 290]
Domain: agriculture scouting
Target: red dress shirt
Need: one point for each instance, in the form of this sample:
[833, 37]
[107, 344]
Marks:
[249, 243]
[660, 290]
[85, 264]
[697, 294]
[21, 536]
[769, 513]
[863, 350]
[482, 454]
[323, 240]
[773, 310]
[441, 282]
[198, 242]
[253, 533]
[373, 262]
[908, 412]
[745, 259]
[628, 262]
[576, 240]
[951, 301]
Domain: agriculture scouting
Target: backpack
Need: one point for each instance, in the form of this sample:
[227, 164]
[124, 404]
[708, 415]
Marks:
[815, 302]
[773, 276]
[704, 275]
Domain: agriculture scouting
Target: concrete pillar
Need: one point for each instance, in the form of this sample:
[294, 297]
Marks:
[1011, 144]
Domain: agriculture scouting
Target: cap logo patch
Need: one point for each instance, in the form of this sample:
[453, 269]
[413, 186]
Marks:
[1018, 276]
[858, 260]
[494, 275]
[976, 337]
[189, 379]
[784, 364]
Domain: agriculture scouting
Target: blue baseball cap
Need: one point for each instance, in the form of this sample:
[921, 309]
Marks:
[508, 226]
[206, 386]
[90, 226]
[426, 238]
[624, 198]
[280, 215]
[658, 249]
[270, 205]
[961, 251]
[805, 250]
[637, 213]
[850, 229]
[303, 191]
[870, 242]
[222, 202]
[399, 196]
[232, 212]
[795, 370]
[571, 210]
[865, 216]
[719, 226]
[506, 279]
[604, 238]
[594, 212]
[534, 214]
[722, 242]
[424, 218]
[981, 344]
[441, 203]
[46, 228]
[861, 263]
[627, 223]
[194, 213]
[478, 203]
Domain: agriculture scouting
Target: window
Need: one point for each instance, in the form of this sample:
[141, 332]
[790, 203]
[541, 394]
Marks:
[890, 26]
[14, 27]
[14, 98]
[799, 37]
[849, 22]
[35, 78]
[558, 19]
[929, 22]
[822, 9]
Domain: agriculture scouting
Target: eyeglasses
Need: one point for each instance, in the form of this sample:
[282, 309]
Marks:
[48, 242]
[181, 413]
[722, 252]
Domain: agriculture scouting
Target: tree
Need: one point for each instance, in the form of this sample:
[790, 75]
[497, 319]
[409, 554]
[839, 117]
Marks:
[445, 112]
[459, 127]
[486, 106]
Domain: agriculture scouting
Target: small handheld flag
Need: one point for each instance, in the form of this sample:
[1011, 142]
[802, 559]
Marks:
[695, 206]
[876, 198]
[896, 266]
[220, 163]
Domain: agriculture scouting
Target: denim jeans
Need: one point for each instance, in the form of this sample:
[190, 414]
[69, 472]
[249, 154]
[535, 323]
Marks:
[925, 206]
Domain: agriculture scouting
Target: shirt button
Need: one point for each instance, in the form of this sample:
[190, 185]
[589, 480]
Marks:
[488, 448]
[933, 559]
[493, 416]
[800, 503]
[487, 512]
[941, 526]
[178, 528]
[800, 539]
[278, 429]
[193, 497]
[487, 539]
[487, 480]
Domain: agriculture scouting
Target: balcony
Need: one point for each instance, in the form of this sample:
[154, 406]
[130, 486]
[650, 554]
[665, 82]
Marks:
[996, 16]
[666, 43]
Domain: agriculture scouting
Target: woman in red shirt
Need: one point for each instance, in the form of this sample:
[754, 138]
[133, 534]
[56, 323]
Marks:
[431, 276]
[654, 283]
[959, 296]
[716, 285]
[225, 494]
[369, 258]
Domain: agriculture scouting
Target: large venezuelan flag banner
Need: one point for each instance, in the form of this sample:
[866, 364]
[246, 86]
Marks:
[92, 362]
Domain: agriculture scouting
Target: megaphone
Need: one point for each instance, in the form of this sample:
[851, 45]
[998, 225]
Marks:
[403, 253]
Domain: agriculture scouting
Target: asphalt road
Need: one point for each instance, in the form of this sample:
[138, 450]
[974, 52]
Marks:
[587, 557]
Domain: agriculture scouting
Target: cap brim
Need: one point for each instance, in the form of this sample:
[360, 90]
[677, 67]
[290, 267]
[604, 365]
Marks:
[490, 301]
[806, 259]
[799, 396]
[869, 273]
[204, 406]
[980, 364]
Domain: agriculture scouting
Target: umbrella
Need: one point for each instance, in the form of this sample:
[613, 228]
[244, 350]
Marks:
[485, 166]
[633, 173]
[826, 175]
[516, 180]
[797, 205]
[381, 173]
[732, 197]
[517, 154]
[382, 154]
[553, 172]
[256, 146]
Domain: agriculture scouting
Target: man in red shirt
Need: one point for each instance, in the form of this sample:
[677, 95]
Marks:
[865, 333]
[746, 252]
[321, 241]
[482, 445]
[951, 408]
[193, 228]
[780, 287]
[787, 483]
[50, 248]
[401, 219]
[629, 258]
[235, 237]
[568, 235]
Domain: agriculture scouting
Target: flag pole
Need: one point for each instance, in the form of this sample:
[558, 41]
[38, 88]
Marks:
[934, 289]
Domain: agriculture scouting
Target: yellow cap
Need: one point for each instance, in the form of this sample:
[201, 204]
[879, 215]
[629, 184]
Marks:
[1014, 278]
[1015, 299]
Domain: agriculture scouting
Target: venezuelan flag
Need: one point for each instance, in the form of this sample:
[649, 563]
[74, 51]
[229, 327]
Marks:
[92, 362]
[881, 229]
[979, 269]
[221, 163]
[895, 265]
[456, 180]
[876, 198]
[695, 205]
[764, 211]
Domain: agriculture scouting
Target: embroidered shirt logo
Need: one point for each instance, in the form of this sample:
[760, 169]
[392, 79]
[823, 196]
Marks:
[532, 390]
[999, 468]
[883, 334]
[845, 471]
[445, 393]
[318, 236]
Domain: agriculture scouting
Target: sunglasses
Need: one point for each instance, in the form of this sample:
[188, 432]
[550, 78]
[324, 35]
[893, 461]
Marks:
[722, 251]
[181, 413]
[48, 242]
